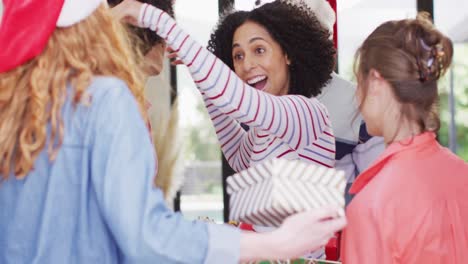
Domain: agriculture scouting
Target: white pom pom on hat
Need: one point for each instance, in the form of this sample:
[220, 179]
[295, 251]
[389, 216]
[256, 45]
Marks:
[321, 8]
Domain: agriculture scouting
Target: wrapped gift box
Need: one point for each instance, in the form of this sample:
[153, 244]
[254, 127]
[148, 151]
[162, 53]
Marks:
[267, 193]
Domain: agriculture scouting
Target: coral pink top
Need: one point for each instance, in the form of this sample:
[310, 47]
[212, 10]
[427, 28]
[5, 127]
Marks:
[411, 207]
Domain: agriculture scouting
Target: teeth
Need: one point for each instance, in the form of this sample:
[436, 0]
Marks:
[256, 79]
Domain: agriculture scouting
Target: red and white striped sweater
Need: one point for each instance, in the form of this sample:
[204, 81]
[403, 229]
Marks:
[290, 126]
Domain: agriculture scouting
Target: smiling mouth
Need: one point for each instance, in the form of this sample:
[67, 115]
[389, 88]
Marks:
[258, 82]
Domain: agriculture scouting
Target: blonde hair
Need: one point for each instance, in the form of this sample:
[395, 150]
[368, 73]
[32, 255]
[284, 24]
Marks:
[32, 95]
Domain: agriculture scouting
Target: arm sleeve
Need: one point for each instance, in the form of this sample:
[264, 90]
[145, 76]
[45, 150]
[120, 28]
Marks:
[366, 242]
[123, 165]
[236, 143]
[297, 120]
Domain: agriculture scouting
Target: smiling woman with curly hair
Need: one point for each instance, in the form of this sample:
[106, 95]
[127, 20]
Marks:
[298, 33]
[268, 66]
[284, 55]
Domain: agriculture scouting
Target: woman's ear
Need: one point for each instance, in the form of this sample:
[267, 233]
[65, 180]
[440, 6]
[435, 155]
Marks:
[375, 74]
[374, 82]
[288, 61]
[378, 86]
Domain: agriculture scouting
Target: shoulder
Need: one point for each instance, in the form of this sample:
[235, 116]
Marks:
[111, 97]
[101, 102]
[338, 93]
[435, 175]
[110, 103]
[107, 89]
[338, 96]
[337, 86]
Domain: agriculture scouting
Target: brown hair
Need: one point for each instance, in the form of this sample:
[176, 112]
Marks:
[145, 38]
[32, 95]
[411, 55]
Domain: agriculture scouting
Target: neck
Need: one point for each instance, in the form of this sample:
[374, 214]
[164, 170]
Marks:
[401, 131]
[284, 91]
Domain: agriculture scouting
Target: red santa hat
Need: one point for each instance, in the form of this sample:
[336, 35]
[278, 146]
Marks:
[27, 25]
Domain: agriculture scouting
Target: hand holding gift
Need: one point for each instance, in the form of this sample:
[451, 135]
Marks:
[266, 194]
[297, 235]
[303, 232]
[305, 201]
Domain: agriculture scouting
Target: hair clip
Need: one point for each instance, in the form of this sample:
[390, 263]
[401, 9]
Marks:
[422, 72]
[430, 61]
[424, 45]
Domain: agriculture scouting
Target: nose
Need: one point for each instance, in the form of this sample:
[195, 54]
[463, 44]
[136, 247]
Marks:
[249, 63]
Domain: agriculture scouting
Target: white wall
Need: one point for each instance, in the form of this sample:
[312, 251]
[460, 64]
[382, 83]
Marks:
[451, 19]
[358, 18]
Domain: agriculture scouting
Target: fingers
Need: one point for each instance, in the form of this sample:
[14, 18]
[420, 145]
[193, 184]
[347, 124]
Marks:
[324, 241]
[118, 12]
[130, 20]
[324, 213]
[174, 57]
[177, 62]
[127, 11]
[334, 225]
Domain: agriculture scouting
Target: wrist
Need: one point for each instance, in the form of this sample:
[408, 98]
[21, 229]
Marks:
[142, 9]
[259, 246]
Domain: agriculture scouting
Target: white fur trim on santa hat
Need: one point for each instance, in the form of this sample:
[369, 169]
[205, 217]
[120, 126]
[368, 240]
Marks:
[73, 11]
[322, 10]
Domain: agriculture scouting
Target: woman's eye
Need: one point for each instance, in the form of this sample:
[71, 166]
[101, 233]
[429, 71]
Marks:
[259, 50]
[238, 56]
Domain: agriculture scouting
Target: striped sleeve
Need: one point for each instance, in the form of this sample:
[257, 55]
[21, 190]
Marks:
[297, 120]
[236, 143]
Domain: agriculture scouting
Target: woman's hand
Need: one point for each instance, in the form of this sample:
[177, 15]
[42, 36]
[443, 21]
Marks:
[127, 11]
[174, 57]
[300, 233]
[304, 232]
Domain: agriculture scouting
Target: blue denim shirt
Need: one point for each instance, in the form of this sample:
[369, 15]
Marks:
[95, 203]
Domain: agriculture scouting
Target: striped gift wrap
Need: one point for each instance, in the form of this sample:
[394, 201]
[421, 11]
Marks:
[267, 193]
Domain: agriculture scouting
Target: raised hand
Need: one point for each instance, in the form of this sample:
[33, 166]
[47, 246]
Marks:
[127, 11]
[174, 57]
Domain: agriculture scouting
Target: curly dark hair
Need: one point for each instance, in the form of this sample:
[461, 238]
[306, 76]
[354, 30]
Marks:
[145, 35]
[298, 32]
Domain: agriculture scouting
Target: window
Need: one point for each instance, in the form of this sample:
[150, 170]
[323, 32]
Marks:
[201, 194]
[451, 18]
